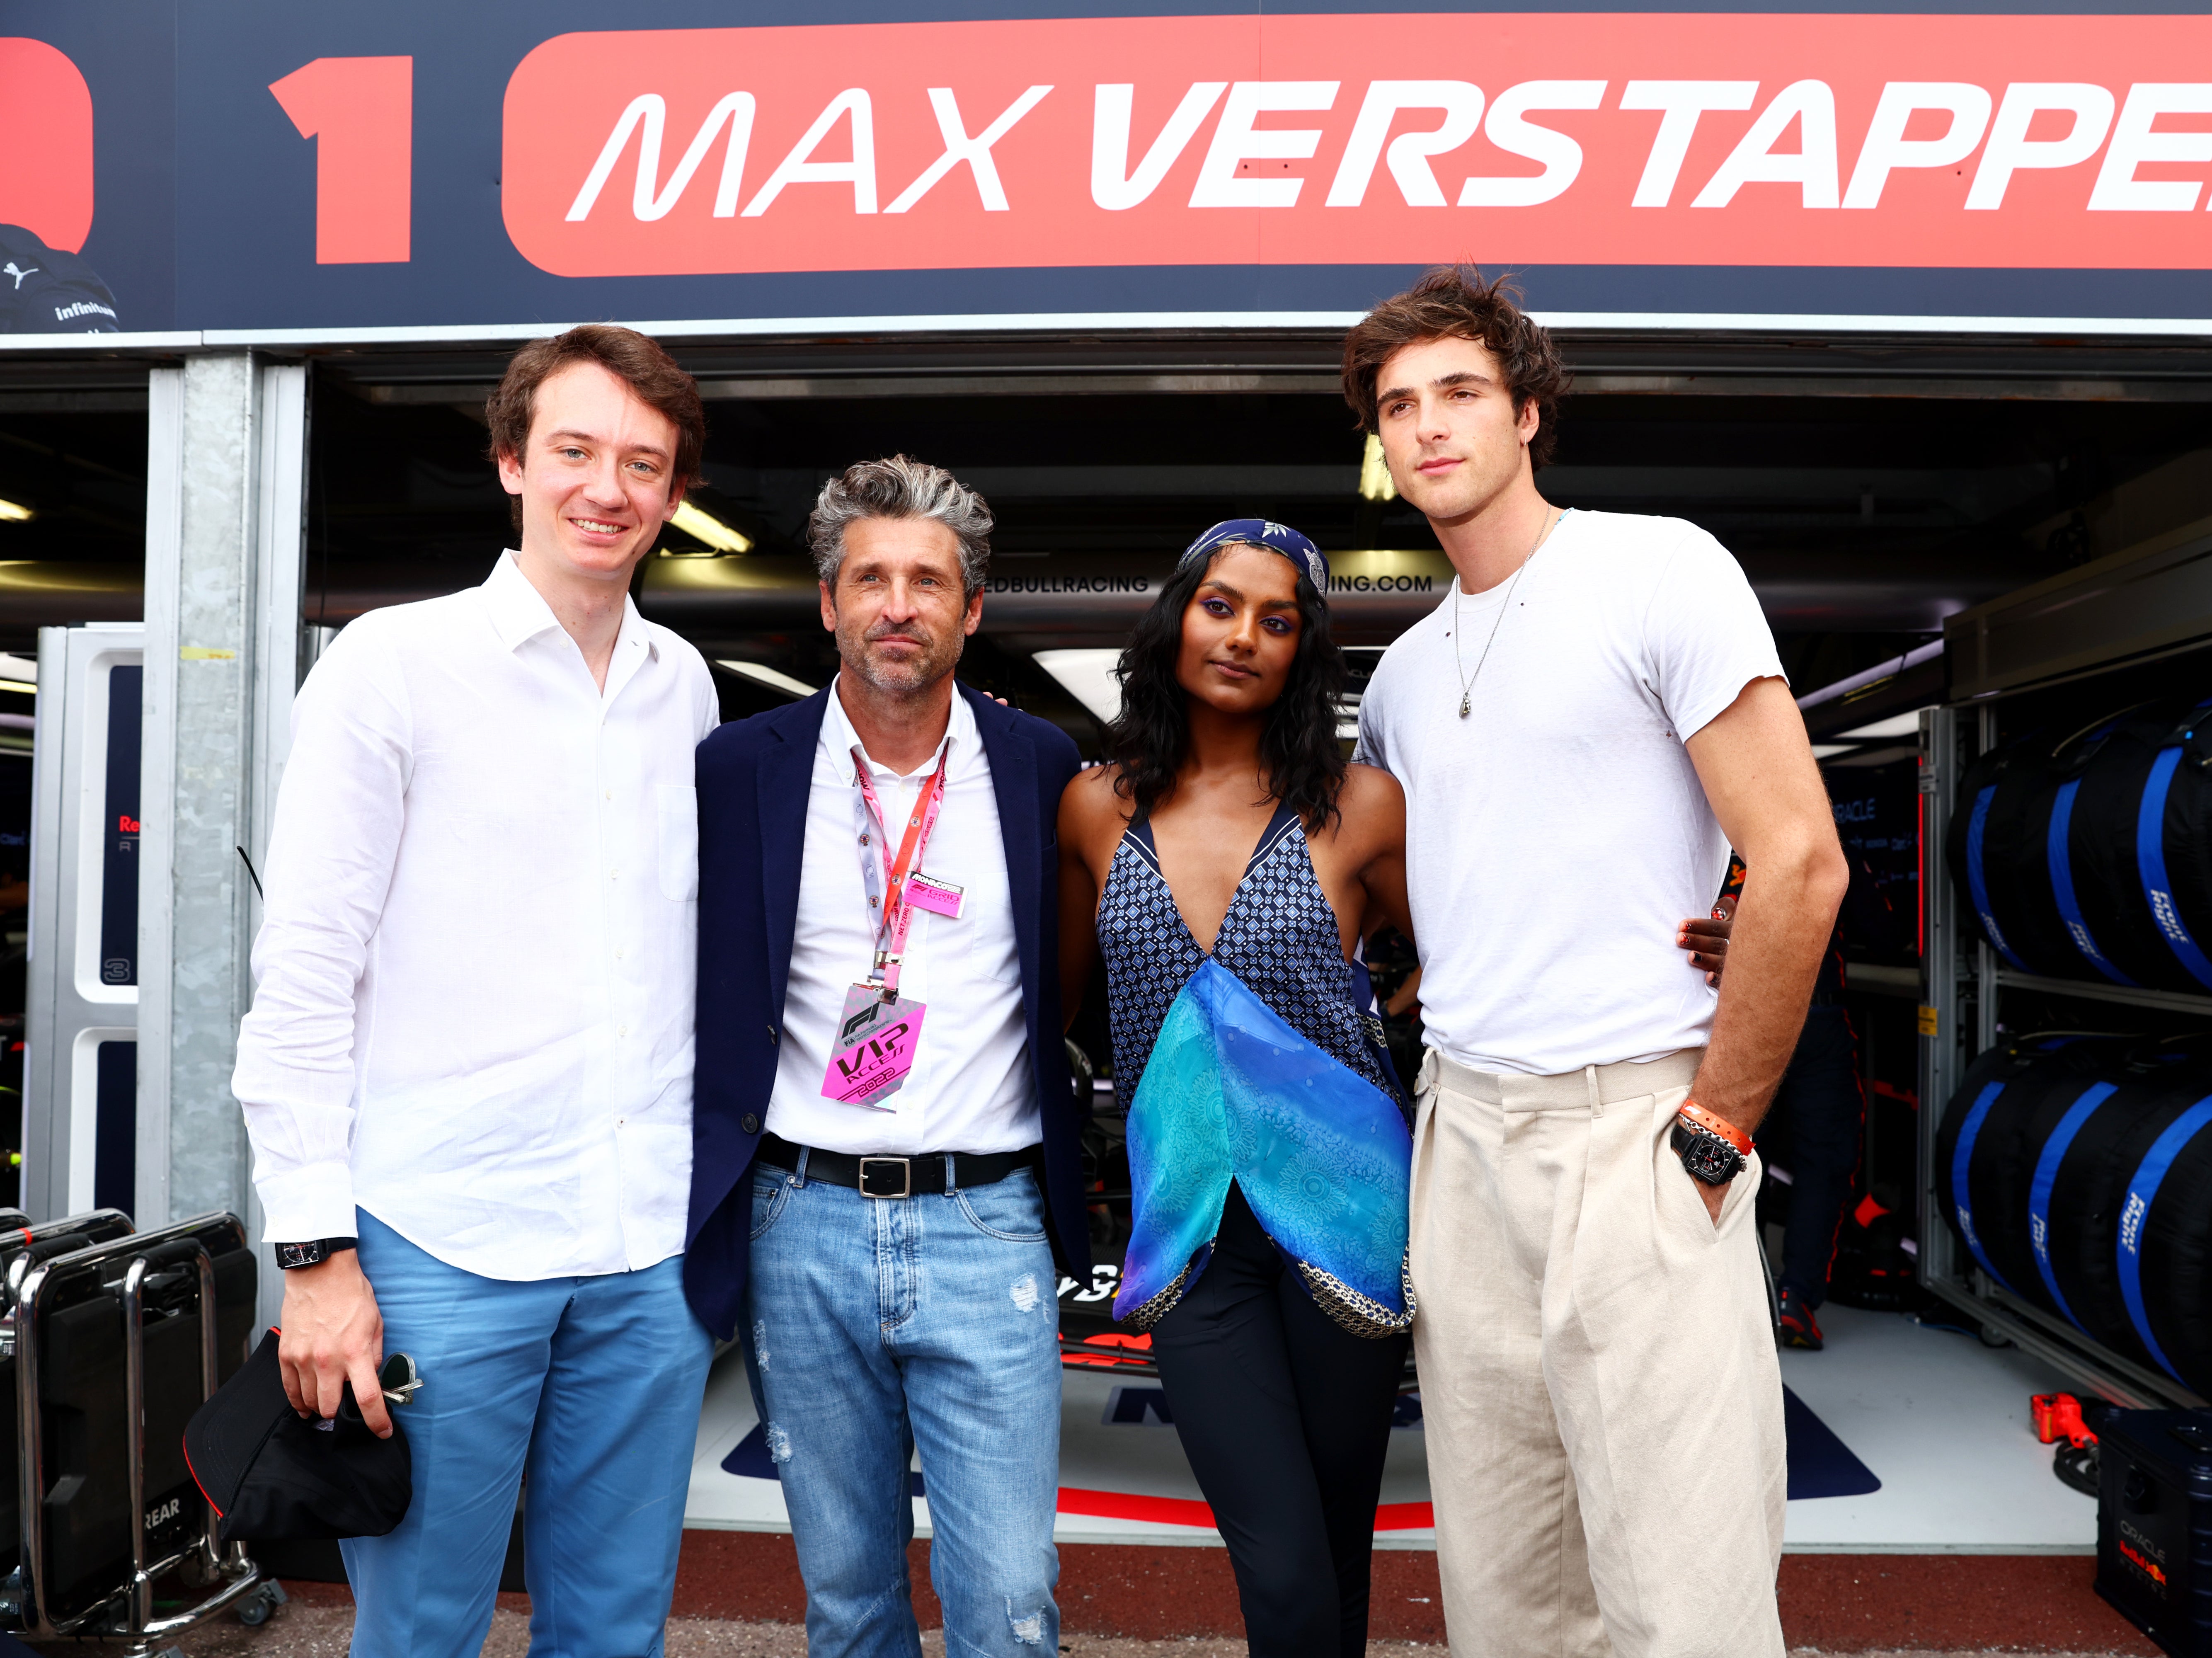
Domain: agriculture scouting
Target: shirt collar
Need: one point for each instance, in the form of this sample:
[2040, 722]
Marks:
[518, 612]
[840, 738]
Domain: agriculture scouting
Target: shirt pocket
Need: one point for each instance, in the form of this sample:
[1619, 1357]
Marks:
[985, 938]
[679, 841]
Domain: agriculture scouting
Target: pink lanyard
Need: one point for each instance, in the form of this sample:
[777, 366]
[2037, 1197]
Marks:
[896, 913]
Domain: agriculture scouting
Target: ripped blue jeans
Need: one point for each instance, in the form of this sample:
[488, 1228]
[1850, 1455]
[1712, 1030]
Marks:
[878, 1326]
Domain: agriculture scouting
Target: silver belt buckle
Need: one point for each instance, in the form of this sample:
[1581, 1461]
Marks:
[906, 1177]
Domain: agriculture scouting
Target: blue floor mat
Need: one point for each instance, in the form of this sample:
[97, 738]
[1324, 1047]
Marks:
[1820, 1465]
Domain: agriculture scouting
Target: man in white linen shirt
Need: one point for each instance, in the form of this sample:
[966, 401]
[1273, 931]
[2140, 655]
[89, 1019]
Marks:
[1591, 717]
[467, 1073]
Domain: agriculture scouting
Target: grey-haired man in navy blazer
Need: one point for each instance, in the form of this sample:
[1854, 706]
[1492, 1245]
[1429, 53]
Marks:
[885, 1181]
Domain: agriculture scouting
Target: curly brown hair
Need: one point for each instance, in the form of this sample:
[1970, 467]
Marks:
[1457, 302]
[636, 359]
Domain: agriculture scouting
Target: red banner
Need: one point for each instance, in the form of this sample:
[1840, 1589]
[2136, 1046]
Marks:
[1627, 139]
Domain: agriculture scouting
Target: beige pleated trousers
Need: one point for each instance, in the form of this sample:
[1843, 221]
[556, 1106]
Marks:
[1599, 1388]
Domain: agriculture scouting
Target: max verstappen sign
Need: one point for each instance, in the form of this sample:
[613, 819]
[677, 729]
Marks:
[1666, 139]
[289, 172]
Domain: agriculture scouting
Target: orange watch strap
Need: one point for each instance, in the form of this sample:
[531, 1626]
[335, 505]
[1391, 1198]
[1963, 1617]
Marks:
[1712, 1124]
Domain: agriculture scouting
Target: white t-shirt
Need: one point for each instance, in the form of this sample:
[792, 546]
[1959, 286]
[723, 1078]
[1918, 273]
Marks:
[1556, 836]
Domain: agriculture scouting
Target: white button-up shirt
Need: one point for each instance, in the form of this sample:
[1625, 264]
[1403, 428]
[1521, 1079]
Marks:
[476, 964]
[971, 1088]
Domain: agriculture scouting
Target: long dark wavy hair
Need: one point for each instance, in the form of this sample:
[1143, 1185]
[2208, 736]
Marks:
[1298, 747]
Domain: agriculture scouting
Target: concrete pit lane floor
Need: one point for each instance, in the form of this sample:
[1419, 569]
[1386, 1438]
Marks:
[739, 1596]
[311, 1629]
[1968, 1545]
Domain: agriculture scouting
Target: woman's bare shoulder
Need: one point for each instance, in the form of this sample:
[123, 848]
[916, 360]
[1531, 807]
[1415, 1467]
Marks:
[1091, 805]
[1091, 789]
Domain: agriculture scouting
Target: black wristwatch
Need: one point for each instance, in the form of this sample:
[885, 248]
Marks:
[292, 1256]
[1705, 1154]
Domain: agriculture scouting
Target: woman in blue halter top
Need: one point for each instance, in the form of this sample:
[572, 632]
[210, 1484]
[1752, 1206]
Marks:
[1226, 867]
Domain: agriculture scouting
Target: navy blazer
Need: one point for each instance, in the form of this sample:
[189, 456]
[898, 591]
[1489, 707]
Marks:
[755, 776]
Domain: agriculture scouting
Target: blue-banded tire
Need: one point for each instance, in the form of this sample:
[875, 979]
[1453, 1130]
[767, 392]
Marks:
[1992, 1138]
[2089, 1191]
[2014, 853]
[2164, 1248]
[2141, 841]
[1995, 849]
[2076, 1170]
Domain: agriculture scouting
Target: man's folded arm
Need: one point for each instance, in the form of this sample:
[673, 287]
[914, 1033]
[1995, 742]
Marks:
[333, 843]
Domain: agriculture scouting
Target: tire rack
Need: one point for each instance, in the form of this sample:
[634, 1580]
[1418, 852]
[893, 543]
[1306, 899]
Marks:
[2132, 607]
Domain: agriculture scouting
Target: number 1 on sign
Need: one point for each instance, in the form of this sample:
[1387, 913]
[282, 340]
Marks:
[361, 113]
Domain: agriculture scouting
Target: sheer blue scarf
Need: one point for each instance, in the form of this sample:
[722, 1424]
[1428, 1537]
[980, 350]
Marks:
[1232, 1093]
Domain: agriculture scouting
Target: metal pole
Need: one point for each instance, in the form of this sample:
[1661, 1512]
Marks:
[211, 1543]
[204, 692]
[44, 1184]
[279, 661]
[1939, 1006]
[134, 1417]
[1985, 959]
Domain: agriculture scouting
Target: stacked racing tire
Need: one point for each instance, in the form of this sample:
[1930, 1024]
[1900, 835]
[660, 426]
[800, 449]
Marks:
[2087, 854]
[2076, 1171]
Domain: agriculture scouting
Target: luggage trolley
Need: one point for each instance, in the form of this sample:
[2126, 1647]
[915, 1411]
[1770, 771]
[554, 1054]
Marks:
[22, 1246]
[115, 1345]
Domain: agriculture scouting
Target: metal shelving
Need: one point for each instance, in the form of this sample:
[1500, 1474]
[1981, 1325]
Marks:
[2100, 990]
[2115, 612]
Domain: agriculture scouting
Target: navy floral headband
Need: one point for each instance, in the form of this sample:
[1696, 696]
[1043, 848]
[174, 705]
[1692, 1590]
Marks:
[1263, 532]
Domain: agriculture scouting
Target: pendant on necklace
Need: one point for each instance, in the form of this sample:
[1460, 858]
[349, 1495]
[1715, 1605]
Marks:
[1462, 707]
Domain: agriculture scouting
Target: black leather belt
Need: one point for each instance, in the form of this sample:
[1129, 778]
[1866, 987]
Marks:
[898, 1177]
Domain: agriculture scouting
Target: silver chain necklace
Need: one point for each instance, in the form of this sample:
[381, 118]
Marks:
[1466, 679]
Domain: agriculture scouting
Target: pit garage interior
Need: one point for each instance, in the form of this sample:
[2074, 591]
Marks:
[1873, 487]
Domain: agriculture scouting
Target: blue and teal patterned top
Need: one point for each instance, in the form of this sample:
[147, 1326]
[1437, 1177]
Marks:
[1280, 937]
[1259, 1065]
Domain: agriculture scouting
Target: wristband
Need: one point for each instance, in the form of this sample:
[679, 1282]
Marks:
[1697, 1115]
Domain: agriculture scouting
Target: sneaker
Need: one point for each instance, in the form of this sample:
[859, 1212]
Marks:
[1795, 1323]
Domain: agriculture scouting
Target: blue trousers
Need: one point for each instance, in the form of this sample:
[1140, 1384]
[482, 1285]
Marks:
[881, 1325]
[591, 1384]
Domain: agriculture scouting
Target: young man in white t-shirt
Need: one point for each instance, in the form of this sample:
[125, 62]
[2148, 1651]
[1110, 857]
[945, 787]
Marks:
[1583, 727]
